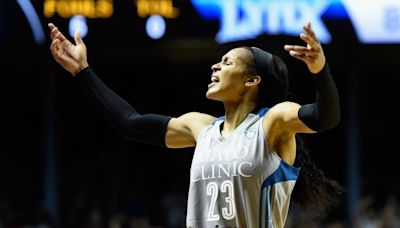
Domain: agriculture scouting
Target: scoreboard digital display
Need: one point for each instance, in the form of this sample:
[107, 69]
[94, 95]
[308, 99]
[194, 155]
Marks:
[373, 21]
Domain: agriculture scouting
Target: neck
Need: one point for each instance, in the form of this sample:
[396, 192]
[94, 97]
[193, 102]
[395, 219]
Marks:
[234, 116]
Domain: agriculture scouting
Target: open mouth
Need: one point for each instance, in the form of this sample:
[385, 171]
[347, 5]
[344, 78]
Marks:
[214, 81]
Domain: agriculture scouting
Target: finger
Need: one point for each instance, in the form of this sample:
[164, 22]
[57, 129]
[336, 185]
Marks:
[305, 58]
[301, 49]
[313, 56]
[55, 35]
[54, 47]
[77, 37]
[51, 26]
[58, 35]
[315, 45]
[296, 54]
[303, 55]
[62, 37]
[53, 29]
[307, 24]
[310, 32]
[57, 52]
[310, 55]
[54, 32]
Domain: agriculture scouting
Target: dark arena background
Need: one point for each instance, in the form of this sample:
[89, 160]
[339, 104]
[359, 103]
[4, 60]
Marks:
[62, 165]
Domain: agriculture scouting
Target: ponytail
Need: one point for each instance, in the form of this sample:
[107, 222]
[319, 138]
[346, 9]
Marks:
[313, 192]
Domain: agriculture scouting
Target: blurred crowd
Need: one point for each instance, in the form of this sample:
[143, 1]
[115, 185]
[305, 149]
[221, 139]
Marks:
[369, 214]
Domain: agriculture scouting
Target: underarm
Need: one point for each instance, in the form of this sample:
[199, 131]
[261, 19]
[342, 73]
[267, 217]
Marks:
[183, 131]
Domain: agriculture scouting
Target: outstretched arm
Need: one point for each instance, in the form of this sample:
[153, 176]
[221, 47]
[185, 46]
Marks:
[149, 128]
[325, 113]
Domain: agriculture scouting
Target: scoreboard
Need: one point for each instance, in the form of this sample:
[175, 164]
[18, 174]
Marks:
[372, 21]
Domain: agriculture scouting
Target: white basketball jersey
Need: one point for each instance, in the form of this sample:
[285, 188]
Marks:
[238, 181]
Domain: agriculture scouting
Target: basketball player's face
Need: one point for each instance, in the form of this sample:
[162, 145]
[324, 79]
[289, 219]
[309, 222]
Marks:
[229, 77]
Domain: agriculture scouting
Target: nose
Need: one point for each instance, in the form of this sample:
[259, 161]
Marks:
[215, 67]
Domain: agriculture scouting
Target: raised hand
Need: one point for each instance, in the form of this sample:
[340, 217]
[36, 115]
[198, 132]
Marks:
[72, 57]
[312, 54]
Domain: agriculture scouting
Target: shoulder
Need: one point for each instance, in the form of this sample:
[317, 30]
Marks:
[196, 118]
[192, 121]
[283, 112]
[283, 119]
[184, 130]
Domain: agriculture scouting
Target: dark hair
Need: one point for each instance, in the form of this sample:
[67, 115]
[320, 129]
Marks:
[275, 87]
[313, 192]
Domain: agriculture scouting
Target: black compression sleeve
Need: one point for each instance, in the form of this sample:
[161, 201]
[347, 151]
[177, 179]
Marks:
[148, 128]
[325, 113]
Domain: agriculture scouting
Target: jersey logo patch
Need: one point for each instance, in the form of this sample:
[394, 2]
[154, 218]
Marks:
[250, 133]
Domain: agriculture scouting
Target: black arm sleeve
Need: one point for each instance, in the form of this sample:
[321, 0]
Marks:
[148, 128]
[325, 113]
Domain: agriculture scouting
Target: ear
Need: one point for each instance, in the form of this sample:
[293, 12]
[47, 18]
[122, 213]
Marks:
[253, 80]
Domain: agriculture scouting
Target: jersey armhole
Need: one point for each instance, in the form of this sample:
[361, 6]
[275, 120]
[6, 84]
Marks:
[202, 132]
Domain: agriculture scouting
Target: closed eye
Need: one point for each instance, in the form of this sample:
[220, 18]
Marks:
[226, 61]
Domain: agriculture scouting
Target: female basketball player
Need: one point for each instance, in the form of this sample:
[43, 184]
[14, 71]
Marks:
[245, 163]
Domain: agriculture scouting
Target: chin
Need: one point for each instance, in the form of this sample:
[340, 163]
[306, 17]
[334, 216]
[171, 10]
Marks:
[212, 96]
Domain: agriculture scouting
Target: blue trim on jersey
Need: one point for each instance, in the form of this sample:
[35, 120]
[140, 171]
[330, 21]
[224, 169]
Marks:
[283, 173]
[220, 118]
[262, 112]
